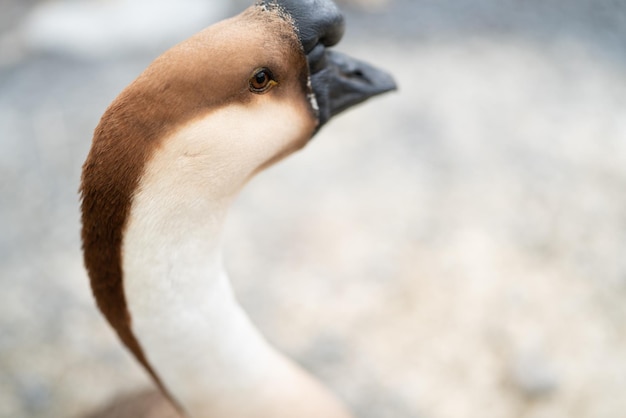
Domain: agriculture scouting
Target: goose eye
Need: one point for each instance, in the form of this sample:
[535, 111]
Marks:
[261, 81]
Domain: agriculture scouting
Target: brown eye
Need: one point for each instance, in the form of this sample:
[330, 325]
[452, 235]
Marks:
[262, 80]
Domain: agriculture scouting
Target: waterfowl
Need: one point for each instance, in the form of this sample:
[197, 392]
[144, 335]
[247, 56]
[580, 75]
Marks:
[167, 158]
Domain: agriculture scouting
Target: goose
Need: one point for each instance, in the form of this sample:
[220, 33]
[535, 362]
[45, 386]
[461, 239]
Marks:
[167, 158]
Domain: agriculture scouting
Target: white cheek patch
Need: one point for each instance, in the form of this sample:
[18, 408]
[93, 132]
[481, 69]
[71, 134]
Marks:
[216, 154]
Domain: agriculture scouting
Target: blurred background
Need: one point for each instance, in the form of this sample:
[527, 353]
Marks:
[455, 249]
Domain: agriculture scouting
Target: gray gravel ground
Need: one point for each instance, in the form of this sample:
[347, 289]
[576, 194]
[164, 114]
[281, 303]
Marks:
[456, 249]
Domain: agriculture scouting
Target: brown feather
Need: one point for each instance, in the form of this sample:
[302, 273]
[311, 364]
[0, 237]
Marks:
[148, 404]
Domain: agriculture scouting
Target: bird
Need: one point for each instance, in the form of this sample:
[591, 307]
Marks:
[167, 158]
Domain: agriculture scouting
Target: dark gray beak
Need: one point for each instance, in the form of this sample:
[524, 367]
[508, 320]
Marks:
[338, 81]
[345, 82]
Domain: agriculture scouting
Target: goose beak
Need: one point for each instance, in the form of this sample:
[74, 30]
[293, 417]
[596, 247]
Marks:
[344, 82]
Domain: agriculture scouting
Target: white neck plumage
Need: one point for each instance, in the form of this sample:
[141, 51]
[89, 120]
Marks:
[194, 334]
